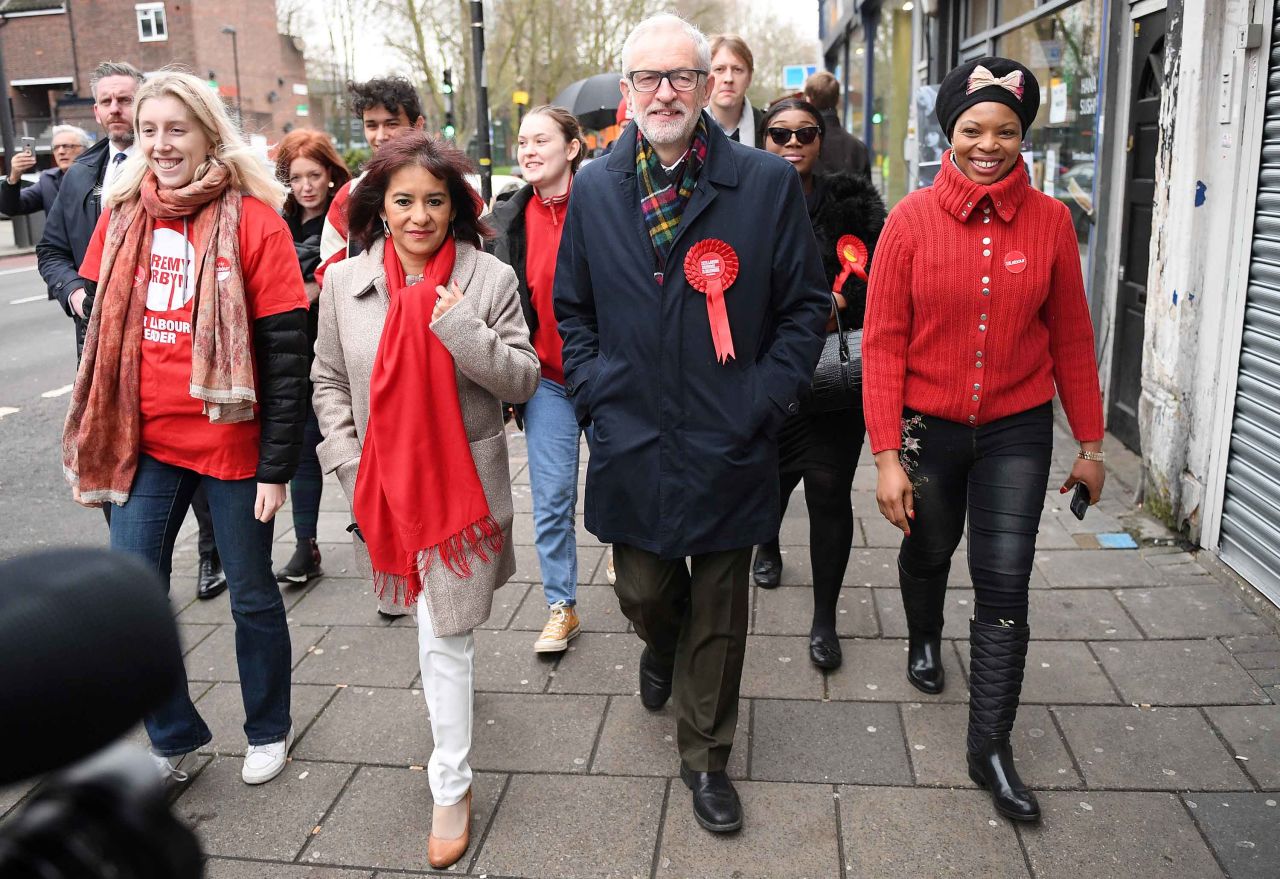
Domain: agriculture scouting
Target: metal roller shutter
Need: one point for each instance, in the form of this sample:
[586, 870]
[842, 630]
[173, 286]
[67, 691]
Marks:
[1251, 506]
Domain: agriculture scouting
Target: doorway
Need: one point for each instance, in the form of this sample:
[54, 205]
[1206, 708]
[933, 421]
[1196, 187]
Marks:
[1146, 88]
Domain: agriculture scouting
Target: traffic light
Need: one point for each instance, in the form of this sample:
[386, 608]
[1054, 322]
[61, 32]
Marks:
[450, 129]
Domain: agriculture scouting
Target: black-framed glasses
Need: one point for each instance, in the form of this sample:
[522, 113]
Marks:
[682, 79]
[782, 136]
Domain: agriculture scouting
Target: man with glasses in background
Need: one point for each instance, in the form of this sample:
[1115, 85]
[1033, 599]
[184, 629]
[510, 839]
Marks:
[68, 142]
[692, 303]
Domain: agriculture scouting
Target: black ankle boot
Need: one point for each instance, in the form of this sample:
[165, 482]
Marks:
[304, 566]
[767, 569]
[997, 657]
[923, 602]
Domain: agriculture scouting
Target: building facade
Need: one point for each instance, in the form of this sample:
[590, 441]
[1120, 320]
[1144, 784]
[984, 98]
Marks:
[52, 46]
[1155, 131]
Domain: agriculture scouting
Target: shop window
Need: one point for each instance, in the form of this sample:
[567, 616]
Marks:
[979, 18]
[891, 100]
[1011, 9]
[152, 25]
[1064, 50]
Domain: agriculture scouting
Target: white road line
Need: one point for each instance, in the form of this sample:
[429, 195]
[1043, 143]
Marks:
[7, 410]
[25, 299]
[17, 271]
[57, 392]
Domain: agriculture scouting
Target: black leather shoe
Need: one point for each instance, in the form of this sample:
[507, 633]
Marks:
[210, 579]
[767, 568]
[924, 664]
[715, 803]
[992, 768]
[824, 650]
[655, 682]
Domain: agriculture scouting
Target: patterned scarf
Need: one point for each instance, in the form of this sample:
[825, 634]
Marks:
[103, 430]
[663, 207]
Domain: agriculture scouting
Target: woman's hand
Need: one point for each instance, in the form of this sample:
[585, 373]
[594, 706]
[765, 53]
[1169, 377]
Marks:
[448, 299]
[270, 500]
[75, 496]
[894, 493]
[1091, 473]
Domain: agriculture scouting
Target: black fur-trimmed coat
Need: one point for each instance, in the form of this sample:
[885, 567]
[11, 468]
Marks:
[846, 205]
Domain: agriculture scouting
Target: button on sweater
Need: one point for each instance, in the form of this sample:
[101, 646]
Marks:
[976, 309]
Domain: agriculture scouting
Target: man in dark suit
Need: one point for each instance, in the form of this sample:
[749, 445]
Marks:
[732, 67]
[841, 151]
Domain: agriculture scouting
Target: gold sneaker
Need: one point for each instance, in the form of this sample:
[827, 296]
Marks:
[560, 629]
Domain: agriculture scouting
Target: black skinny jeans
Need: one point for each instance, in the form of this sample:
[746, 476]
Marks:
[997, 474]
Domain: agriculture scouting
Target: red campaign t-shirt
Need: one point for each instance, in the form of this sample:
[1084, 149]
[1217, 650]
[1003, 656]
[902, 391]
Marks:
[175, 430]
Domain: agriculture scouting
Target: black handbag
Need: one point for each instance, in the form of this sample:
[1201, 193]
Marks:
[837, 379]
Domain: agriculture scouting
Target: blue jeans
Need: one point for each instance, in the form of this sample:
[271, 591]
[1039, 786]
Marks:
[308, 482]
[147, 526]
[551, 432]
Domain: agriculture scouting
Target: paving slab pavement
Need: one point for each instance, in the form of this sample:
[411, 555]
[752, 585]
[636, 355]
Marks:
[1150, 727]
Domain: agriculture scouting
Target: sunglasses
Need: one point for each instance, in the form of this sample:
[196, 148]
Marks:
[806, 135]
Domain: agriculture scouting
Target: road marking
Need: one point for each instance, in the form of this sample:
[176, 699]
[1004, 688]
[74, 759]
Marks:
[57, 392]
[16, 271]
[25, 299]
[7, 410]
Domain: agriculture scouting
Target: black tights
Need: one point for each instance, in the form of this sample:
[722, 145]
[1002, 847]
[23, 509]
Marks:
[827, 494]
[998, 474]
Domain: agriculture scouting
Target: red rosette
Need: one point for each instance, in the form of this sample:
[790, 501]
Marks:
[852, 254]
[711, 267]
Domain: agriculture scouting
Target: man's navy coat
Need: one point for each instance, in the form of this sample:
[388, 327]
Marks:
[684, 457]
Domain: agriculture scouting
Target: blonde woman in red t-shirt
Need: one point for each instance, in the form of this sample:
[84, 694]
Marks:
[194, 374]
[528, 239]
[976, 313]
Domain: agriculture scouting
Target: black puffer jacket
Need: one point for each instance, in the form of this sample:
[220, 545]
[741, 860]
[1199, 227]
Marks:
[282, 353]
[842, 204]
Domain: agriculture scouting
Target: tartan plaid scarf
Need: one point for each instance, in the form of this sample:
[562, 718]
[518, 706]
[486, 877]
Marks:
[663, 206]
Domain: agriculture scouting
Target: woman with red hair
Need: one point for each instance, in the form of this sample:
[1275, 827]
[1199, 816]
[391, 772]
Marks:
[312, 169]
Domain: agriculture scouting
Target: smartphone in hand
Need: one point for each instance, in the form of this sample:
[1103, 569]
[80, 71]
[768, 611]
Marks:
[1080, 500]
[28, 145]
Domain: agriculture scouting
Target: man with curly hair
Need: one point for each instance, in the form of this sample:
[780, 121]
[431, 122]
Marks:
[386, 106]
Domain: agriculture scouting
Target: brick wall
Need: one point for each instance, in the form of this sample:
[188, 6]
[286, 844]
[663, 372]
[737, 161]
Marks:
[37, 46]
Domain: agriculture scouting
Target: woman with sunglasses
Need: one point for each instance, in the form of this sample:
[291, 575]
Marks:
[822, 448]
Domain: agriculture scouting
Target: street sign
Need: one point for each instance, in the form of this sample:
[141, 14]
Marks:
[794, 75]
[521, 98]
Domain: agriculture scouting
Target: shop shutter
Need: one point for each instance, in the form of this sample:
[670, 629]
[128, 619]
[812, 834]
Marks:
[1251, 507]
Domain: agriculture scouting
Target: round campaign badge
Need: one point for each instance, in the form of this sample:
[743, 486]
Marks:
[1015, 261]
[711, 267]
[852, 254]
[222, 268]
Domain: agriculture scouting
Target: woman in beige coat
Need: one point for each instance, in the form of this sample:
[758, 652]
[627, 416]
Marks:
[421, 337]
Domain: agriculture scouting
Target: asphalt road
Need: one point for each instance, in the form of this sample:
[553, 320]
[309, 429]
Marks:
[37, 367]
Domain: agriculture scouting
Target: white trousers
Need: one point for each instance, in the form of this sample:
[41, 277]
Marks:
[448, 682]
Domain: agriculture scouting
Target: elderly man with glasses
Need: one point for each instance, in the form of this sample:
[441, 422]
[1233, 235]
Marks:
[68, 143]
[692, 303]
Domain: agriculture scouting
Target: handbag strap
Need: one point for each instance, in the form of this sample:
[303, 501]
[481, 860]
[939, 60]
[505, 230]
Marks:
[840, 331]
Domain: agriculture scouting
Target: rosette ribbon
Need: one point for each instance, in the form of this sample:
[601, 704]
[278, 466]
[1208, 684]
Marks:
[852, 254]
[711, 267]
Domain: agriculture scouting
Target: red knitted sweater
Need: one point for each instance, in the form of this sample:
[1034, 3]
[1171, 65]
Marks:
[976, 309]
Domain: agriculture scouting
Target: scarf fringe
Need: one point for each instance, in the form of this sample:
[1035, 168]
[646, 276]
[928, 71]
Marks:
[482, 538]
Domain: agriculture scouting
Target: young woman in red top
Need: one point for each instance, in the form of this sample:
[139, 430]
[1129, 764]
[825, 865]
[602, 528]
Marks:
[976, 311]
[529, 226]
[194, 375]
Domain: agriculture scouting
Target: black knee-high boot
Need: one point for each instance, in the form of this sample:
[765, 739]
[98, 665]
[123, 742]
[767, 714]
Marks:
[923, 601]
[997, 657]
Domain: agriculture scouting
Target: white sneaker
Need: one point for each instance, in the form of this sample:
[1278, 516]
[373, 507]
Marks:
[609, 572]
[167, 767]
[264, 762]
